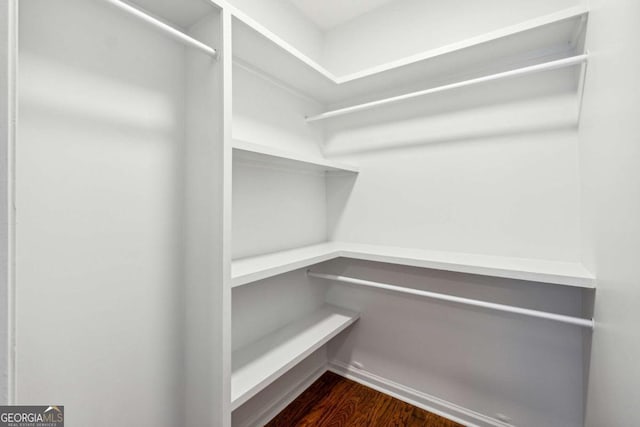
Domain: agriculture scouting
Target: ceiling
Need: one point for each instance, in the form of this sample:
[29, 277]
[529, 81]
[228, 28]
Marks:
[331, 13]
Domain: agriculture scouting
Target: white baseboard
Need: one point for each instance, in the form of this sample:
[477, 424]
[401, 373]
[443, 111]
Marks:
[427, 402]
[422, 400]
[274, 408]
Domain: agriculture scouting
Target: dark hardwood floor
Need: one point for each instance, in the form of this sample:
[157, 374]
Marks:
[336, 401]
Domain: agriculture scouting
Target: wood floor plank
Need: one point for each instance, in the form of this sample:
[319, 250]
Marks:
[314, 404]
[327, 413]
[308, 403]
[334, 401]
[369, 405]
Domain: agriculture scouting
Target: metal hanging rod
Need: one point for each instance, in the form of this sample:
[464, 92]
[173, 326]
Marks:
[551, 65]
[176, 34]
[587, 323]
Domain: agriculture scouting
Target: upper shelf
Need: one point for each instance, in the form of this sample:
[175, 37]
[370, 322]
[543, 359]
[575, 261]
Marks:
[248, 270]
[250, 152]
[552, 36]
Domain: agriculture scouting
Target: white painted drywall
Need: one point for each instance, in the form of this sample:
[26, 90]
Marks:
[288, 22]
[6, 108]
[182, 14]
[331, 13]
[99, 209]
[276, 209]
[266, 113]
[609, 147]
[405, 27]
[497, 178]
[529, 370]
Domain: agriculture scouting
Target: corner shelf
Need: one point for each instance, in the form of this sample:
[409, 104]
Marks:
[255, 153]
[552, 36]
[259, 364]
[248, 270]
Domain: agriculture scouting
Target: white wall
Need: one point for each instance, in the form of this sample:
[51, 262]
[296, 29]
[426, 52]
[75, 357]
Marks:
[276, 209]
[609, 147]
[266, 113]
[527, 369]
[6, 76]
[99, 234]
[471, 171]
[405, 27]
[286, 21]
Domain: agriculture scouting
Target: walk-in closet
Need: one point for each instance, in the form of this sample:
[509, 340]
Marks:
[239, 213]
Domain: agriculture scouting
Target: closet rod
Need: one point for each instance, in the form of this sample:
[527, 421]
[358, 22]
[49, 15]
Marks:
[179, 35]
[587, 323]
[545, 66]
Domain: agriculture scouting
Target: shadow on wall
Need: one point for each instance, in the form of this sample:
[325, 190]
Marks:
[341, 187]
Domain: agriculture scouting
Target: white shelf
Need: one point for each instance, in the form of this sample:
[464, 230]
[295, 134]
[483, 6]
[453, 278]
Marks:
[259, 364]
[535, 270]
[551, 36]
[255, 153]
[555, 272]
[247, 270]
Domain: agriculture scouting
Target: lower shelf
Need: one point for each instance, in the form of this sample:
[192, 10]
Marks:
[259, 364]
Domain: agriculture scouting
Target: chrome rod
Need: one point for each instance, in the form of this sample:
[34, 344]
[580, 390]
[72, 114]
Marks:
[176, 34]
[587, 323]
[551, 65]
